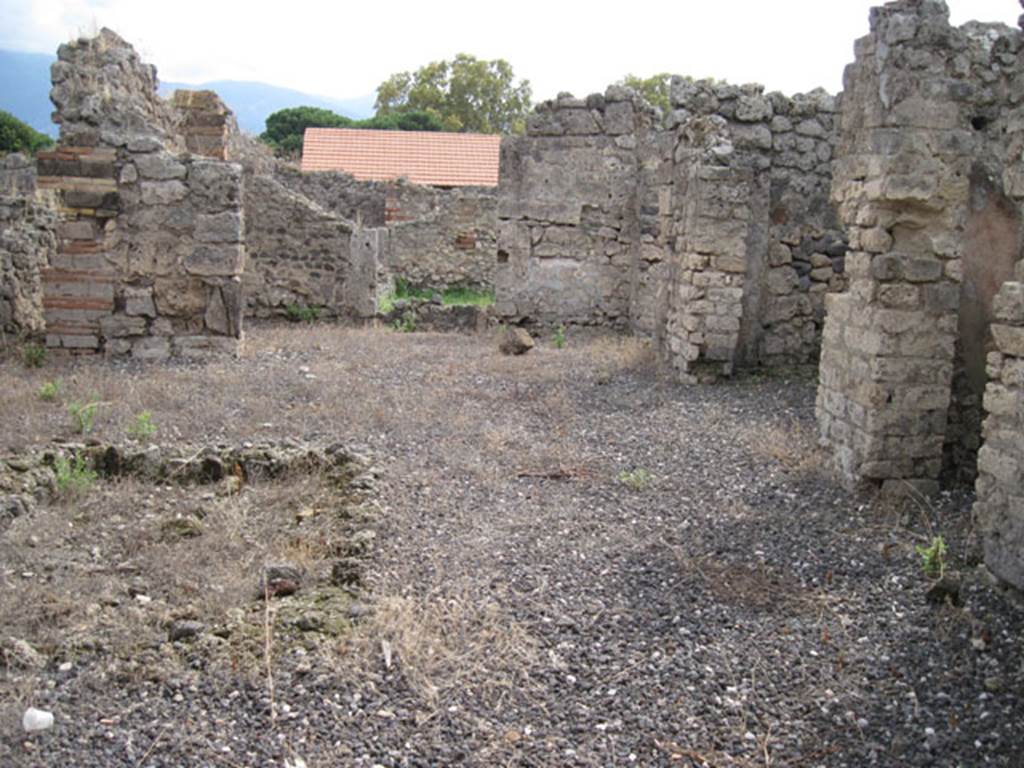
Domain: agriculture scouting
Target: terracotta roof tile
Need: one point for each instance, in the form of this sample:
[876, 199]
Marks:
[423, 157]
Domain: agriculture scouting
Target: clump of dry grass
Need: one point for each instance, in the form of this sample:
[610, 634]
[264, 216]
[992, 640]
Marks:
[442, 642]
[793, 445]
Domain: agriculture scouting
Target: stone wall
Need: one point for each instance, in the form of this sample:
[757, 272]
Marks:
[27, 242]
[1000, 506]
[299, 253]
[361, 202]
[934, 230]
[568, 225]
[150, 239]
[754, 242]
[442, 237]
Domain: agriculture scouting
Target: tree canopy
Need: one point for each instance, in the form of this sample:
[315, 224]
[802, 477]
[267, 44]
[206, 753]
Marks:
[465, 94]
[654, 88]
[286, 127]
[16, 136]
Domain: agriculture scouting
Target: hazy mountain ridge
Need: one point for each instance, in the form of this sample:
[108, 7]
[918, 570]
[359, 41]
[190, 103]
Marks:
[25, 93]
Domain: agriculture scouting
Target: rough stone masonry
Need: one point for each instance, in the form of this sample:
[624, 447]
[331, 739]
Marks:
[150, 237]
[929, 183]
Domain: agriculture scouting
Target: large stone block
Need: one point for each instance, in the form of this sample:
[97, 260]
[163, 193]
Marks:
[1009, 339]
[215, 260]
[225, 227]
[160, 166]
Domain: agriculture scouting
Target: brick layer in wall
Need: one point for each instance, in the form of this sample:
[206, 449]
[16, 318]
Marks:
[78, 287]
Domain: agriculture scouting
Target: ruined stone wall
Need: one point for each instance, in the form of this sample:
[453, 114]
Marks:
[436, 237]
[27, 243]
[568, 229]
[361, 202]
[299, 253]
[150, 239]
[754, 243]
[934, 231]
[1000, 506]
[442, 237]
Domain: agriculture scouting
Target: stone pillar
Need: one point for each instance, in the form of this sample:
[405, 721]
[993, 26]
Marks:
[1000, 486]
[901, 183]
[206, 123]
[721, 194]
[151, 238]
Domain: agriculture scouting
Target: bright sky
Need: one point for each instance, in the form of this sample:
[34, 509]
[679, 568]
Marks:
[345, 49]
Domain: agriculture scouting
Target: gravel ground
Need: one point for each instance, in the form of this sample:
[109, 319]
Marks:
[577, 563]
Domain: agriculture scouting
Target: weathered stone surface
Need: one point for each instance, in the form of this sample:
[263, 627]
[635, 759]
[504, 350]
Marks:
[28, 243]
[215, 260]
[515, 341]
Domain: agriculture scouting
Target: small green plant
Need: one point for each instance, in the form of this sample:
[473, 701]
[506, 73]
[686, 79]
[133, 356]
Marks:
[72, 477]
[559, 337]
[637, 479]
[34, 355]
[403, 290]
[407, 323]
[386, 303]
[49, 391]
[465, 296]
[302, 313]
[142, 428]
[83, 416]
[933, 557]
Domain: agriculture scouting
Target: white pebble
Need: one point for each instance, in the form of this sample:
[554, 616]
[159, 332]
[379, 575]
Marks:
[36, 719]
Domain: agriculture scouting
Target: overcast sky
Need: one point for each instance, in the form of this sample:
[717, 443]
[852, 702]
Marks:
[345, 49]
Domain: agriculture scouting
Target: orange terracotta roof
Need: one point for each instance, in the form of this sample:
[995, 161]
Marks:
[423, 157]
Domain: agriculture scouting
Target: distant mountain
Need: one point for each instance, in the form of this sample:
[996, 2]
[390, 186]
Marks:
[25, 88]
[25, 93]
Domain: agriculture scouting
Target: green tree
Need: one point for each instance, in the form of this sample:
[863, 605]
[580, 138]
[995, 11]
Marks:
[654, 88]
[16, 136]
[287, 127]
[465, 94]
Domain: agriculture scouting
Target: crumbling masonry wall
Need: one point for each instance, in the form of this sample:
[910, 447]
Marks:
[755, 244]
[568, 229]
[431, 237]
[711, 230]
[934, 232]
[930, 183]
[439, 238]
[150, 238]
[1000, 506]
[27, 242]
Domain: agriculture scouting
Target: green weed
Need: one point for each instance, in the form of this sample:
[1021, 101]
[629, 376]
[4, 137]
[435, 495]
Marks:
[636, 479]
[464, 296]
[49, 391]
[407, 323]
[302, 313]
[73, 477]
[142, 428]
[933, 557]
[83, 416]
[33, 355]
[559, 337]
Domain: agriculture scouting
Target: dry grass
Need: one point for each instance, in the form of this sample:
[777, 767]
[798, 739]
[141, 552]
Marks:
[72, 573]
[446, 642]
[792, 444]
